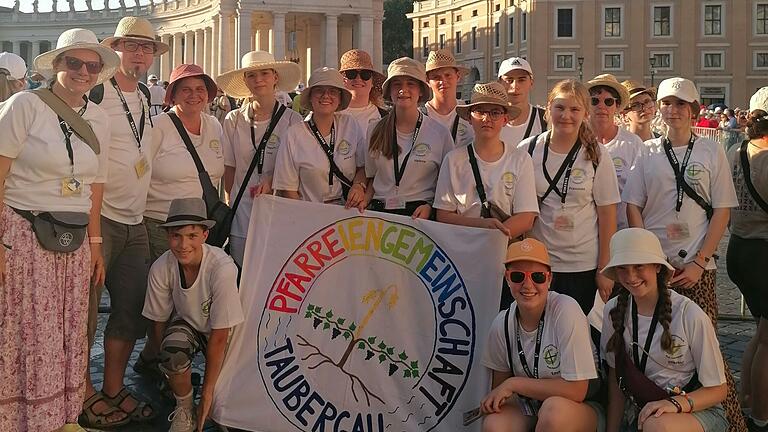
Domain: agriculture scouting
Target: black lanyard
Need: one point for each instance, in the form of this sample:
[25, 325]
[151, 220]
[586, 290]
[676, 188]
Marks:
[400, 170]
[640, 362]
[565, 167]
[327, 147]
[679, 170]
[67, 130]
[521, 352]
[137, 133]
[262, 148]
[530, 123]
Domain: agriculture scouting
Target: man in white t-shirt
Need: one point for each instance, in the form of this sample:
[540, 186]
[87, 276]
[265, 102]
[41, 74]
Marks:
[516, 75]
[194, 285]
[157, 93]
[443, 76]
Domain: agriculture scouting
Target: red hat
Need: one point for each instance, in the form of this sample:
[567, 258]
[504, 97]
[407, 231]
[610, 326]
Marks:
[188, 71]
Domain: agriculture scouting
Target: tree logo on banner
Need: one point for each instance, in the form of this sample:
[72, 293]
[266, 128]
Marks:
[367, 327]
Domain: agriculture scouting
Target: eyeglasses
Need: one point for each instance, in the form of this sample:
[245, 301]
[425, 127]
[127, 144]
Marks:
[492, 114]
[322, 91]
[640, 106]
[351, 74]
[607, 101]
[519, 276]
[146, 48]
[75, 64]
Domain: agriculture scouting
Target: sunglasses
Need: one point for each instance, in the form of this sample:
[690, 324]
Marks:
[607, 101]
[492, 114]
[322, 91]
[75, 64]
[519, 276]
[146, 48]
[351, 74]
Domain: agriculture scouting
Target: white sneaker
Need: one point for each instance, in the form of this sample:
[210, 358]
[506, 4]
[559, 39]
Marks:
[182, 419]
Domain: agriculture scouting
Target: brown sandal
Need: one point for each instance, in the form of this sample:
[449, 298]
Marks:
[137, 414]
[90, 419]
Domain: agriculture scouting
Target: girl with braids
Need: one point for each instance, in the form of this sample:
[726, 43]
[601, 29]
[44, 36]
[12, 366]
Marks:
[668, 378]
[578, 193]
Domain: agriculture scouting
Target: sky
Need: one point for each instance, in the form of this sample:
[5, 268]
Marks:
[63, 5]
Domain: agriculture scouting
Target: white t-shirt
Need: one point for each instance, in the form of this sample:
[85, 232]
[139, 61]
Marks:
[33, 139]
[573, 249]
[211, 302]
[652, 187]
[508, 183]
[420, 176]
[364, 116]
[624, 148]
[174, 174]
[125, 193]
[303, 166]
[694, 344]
[514, 134]
[157, 93]
[564, 340]
[749, 220]
[239, 152]
[464, 132]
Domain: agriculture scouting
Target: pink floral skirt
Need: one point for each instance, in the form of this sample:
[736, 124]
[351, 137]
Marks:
[43, 343]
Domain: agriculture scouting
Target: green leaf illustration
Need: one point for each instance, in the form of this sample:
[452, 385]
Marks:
[310, 307]
[403, 356]
[415, 364]
[347, 335]
[308, 314]
[352, 326]
[372, 340]
[382, 345]
[406, 373]
[361, 345]
[341, 321]
[382, 357]
[326, 326]
[390, 351]
[329, 314]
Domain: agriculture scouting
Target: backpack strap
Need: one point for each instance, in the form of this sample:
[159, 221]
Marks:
[485, 211]
[148, 100]
[96, 95]
[383, 111]
[541, 118]
[747, 173]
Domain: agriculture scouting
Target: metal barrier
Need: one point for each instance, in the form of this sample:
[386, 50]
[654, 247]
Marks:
[725, 137]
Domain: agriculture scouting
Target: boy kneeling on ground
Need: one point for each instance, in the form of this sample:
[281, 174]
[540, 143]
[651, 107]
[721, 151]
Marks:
[198, 284]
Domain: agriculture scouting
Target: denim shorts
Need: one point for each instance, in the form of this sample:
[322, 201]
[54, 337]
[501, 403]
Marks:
[712, 419]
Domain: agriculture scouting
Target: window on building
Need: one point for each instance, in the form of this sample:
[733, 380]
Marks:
[662, 21]
[612, 61]
[663, 60]
[713, 20]
[425, 46]
[761, 15]
[442, 21]
[564, 61]
[496, 35]
[474, 38]
[761, 60]
[497, 8]
[426, 24]
[511, 30]
[441, 41]
[565, 23]
[474, 12]
[458, 42]
[713, 60]
[458, 18]
[524, 35]
[612, 22]
[496, 66]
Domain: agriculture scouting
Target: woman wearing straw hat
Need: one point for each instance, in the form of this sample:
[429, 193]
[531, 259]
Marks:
[681, 190]
[246, 143]
[364, 82]
[666, 371]
[405, 148]
[322, 155]
[641, 110]
[46, 167]
[443, 75]
[13, 73]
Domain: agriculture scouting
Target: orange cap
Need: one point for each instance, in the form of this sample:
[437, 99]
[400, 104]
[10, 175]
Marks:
[528, 250]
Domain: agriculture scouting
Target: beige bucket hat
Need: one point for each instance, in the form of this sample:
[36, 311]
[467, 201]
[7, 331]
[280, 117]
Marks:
[78, 38]
[443, 58]
[488, 93]
[326, 76]
[634, 246]
[407, 67]
[136, 29]
[233, 82]
[608, 80]
[634, 88]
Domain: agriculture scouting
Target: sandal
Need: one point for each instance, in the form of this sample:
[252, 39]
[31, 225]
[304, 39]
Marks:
[138, 412]
[90, 419]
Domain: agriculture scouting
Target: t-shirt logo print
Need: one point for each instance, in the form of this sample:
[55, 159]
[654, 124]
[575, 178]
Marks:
[551, 356]
[205, 307]
[421, 149]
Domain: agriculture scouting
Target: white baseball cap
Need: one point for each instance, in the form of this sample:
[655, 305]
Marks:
[152, 78]
[514, 63]
[759, 100]
[680, 88]
[14, 64]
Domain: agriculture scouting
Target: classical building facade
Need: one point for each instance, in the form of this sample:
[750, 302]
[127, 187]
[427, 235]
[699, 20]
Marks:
[722, 45]
[213, 33]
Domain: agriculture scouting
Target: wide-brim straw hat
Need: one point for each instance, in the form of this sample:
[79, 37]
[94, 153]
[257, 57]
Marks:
[634, 88]
[632, 246]
[488, 93]
[187, 211]
[443, 58]
[136, 29]
[78, 38]
[357, 59]
[188, 71]
[326, 76]
[233, 82]
[407, 67]
[608, 80]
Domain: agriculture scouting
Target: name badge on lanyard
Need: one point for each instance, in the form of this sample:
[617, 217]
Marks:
[70, 186]
[678, 230]
[564, 220]
[141, 166]
[396, 201]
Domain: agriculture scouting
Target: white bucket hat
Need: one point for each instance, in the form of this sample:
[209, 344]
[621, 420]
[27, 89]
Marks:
[407, 67]
[326, 76]
[759, 100]
[634, 246]
[233, 82]
[78, 38]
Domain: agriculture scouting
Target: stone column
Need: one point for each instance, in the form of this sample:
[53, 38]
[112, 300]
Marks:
[331, 39]
[35, 49]
[223, 39]
[278, 35]
[378, 54]
[177, 52]
[165, 59]
[199, 48]
[364, 34]
[17, 47]
[257, 39]
[189, 47]
[245, 37]
[215, 47]
[207, 63]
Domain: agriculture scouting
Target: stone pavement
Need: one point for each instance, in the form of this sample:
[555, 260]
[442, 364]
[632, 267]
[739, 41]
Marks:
[732, 333]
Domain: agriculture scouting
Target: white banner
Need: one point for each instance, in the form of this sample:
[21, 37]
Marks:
[359, 322]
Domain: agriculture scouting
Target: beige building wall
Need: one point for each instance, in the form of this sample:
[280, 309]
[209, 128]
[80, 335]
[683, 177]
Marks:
[722, 45]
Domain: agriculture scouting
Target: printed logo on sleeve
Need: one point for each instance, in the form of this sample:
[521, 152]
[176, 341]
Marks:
[215, 145]
[205, 307]
[619, 164]
[272, 141]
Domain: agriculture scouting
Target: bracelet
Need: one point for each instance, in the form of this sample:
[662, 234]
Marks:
[95, 240]
[676, 404]
[690, 402]
[706, 259]
[700, 266]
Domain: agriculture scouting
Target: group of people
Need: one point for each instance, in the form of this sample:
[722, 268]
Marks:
[613, 215]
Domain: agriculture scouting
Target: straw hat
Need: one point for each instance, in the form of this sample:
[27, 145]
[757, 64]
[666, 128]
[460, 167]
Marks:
[407, 67]
[136, 29]
[488, 93]
[356, 59]
[233, 82]
[634, 88]
[326, 76]
[443, 58]
[187, 211]
[188, 71]
[608, 80]
[528, 250]
[78, 38]
[634, 246]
